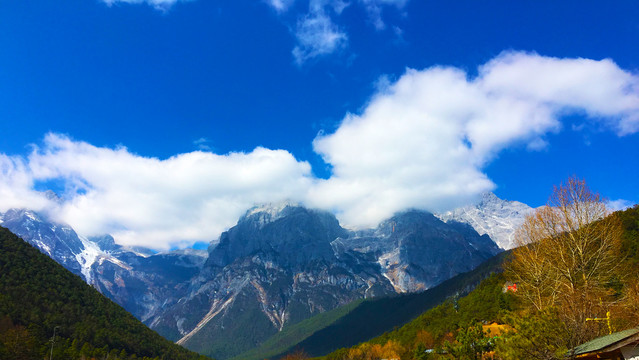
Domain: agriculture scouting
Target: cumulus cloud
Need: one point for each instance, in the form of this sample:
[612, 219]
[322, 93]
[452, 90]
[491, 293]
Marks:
[422, 141]
[151, 202]
[17, 186]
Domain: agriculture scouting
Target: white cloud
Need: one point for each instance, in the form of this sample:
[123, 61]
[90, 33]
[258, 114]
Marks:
[151, 202]
[280, 5]
[317, 32]
[619, 204]
[421, 142]
[317, 35]
[600, 88]
[162, 5]
[374, 10]
[17, 186]
[202, 144]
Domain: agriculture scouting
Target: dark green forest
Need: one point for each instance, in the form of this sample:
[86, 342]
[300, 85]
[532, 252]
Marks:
[39, 297]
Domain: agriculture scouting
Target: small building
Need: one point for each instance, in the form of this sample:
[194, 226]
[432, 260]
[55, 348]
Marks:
[509, 286]
[616, 346]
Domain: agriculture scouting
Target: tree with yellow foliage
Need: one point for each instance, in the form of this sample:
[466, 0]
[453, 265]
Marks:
[568, 253]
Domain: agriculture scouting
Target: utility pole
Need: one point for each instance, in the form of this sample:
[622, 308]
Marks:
[606, 319]
[53, 342]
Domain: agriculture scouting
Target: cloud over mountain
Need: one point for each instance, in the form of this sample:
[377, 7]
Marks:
[420, 142]
[148, 201]
[423, 141]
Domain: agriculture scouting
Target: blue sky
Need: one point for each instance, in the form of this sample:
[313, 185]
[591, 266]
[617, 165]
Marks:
[162, 121]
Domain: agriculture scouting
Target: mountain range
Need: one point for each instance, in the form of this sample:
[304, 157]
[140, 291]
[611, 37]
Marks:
[280, 264]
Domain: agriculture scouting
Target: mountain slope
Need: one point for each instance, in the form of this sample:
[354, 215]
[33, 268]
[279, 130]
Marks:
[275, 267]
[282, 264]
[38, 295]
[363, 320]
[58, 241]
[417, 251]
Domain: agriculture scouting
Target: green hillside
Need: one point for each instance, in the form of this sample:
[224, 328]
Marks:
[486, 303]
[292, 335]
[363, 320]
[38, 296]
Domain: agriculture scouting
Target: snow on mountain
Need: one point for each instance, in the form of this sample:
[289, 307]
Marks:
[493, 216]
[87, 257]
[58, 241]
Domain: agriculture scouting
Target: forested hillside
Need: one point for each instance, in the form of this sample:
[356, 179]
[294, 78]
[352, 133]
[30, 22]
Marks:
[38, 298]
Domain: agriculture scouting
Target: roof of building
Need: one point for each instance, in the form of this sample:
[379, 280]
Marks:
[604, 342]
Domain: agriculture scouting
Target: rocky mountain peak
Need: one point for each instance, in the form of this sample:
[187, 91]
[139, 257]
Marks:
[105, 242]
[492, 216]
[269, 212]
[291, 233]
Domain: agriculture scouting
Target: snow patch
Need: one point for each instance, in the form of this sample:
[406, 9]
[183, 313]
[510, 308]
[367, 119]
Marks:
[30, 215]
[87, 257]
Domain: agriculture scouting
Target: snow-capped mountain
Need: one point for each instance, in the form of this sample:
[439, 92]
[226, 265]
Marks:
[59, 241]
[492, 216]
[275, 267]
[136, 278]
[282, 264]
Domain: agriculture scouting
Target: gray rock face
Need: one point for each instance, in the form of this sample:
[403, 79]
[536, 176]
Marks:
[282, 264]
[145, 285]
[417, 251]
[492, 216]
[275, 267]
[293, 234]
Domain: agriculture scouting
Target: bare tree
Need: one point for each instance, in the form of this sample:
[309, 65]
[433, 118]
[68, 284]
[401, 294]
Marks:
[569, 252]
